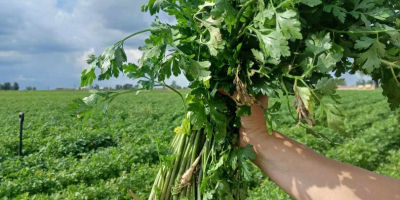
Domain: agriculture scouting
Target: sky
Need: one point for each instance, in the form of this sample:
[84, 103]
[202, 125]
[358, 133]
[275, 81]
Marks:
[44, 43]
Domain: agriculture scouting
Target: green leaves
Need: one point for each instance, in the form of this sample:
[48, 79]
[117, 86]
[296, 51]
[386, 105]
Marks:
[273, 44]
[370, 59]
[154, 6]
[288, 25]
[224, 9]
[337, 11]
[330, 116]
[110, 63]
[318, 43]
[265, 53]
[245, 154]
[199, 70]
[215, 42]
[198, 115]
[391, 89]
[271, 116]
[311, 3]
[264, 87]
[364, 42]
[328, 54]
[87, 77]
[305, 96]
[328, 86]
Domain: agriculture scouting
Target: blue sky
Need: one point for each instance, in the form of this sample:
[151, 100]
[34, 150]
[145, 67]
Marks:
[44, 43]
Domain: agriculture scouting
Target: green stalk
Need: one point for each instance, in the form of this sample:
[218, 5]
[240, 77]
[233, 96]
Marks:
[390, 64]
[183, 164]
[199, 180]
[178, 164]
[137, 33]
[172, 171]
[164, 186]
[241, 11]
[360, 32]
[236, 28]
[155, 184]
[176, 91]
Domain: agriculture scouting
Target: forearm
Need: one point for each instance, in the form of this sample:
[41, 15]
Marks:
[305, 174]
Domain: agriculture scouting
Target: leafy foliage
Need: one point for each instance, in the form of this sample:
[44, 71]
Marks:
[258, 48]
[62, 161]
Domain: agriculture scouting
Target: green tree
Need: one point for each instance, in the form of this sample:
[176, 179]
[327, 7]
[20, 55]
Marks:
[127, 87]
[15, 86]
[7, 86]
[175, 85]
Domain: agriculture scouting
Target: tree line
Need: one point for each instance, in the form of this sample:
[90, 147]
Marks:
[9, 86]
[132, 87]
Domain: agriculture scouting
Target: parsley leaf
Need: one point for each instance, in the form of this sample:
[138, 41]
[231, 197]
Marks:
[370, 59]
[305, 96]
[330, 116]
[215, 42]
[225, 9]
[273, 44]
[328, 86]
[288, 25]
[88, 75]
[338, 12]
[311, 3]
[245, 154]
[391, 89]
[198, 116]
[199, 70]
[271, 116]
[326, 62]
[364, 42]
[318, 43]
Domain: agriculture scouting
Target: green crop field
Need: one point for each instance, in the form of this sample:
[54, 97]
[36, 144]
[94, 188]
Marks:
[121, 149]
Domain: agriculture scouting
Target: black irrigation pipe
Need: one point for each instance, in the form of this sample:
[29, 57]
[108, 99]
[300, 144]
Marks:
[21, 123]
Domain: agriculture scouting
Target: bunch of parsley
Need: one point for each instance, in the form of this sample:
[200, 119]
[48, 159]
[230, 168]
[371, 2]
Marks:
[256, 47]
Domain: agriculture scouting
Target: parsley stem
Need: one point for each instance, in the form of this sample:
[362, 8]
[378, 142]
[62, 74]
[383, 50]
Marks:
[359, 32]
[137, 33]
[287, 99]
[241, 11]
[293, 77]
[183, 99]
[311, 90]
[390, 64]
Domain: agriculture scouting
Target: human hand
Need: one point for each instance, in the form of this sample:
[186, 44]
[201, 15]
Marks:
[252, 127]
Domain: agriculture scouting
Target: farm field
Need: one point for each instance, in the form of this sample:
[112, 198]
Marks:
[122, 149]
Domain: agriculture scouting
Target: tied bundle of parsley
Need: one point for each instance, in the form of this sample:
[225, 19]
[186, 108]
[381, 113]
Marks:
[278, 48]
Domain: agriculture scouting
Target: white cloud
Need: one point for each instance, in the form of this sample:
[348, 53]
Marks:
[81, 61]
[22, 78]
[133, 55]
[7, 54]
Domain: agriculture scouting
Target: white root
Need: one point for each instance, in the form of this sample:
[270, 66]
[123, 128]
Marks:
[185, 179]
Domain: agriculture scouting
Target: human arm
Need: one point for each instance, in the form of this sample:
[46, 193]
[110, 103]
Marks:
[305, 174]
